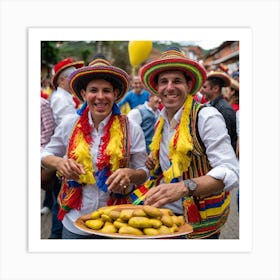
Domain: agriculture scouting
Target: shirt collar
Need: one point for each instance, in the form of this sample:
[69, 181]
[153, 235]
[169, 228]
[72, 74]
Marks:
[102, 124]
[175, 120]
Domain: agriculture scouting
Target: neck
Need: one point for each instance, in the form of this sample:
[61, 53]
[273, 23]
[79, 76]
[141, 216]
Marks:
[96, 121]
[215, 96]
[170, 114]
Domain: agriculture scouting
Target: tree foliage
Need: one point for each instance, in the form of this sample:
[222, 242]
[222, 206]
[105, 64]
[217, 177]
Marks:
[114, 51]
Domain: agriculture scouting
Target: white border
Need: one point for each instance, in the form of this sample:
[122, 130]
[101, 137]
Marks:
[262, 16]
[36, 35]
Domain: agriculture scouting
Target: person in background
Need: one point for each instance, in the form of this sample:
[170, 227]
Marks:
[235, 75]
[46, 87]
[212, 89]
[231, 94]
[47, 130]
[192, 162]
[136, 96]
[62, 104]
[237, 150]
[105, 153]
[61, 100]
[146, 115]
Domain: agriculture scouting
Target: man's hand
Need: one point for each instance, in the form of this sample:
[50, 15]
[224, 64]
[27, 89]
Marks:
[119, 181]
[70, 169]
[150, 162]
[165, 193]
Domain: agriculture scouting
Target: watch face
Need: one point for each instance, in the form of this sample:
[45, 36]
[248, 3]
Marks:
[192, 185]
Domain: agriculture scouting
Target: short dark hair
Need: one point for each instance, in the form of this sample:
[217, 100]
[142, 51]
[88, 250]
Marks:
[100, 76]
[215, 81]
[187, 77]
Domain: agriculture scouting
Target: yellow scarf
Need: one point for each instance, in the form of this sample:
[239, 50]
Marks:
[180, 145]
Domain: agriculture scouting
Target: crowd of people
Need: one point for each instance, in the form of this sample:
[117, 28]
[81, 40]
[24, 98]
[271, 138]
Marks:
[175, 146]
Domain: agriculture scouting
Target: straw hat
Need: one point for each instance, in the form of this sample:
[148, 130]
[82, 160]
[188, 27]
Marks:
[62, 65]
[99, 68]
[220, 75]
[234, 84]
[172, 59]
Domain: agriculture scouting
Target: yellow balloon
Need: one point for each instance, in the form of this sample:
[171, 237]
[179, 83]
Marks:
[139, 51]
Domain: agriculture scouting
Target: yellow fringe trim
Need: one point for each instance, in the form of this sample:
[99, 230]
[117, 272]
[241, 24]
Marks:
[179, 154]
[155, 144]
[115, 146]
[114, 150]
[82, 154]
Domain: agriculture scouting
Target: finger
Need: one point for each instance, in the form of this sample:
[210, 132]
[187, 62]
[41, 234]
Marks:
[81, 169]
[156, 199]
[152, 195]
[115, 184]
[76, 169]
[111, 178]
[159, 203]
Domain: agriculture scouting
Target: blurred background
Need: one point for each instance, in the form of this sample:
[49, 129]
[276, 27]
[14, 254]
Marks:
[212, 54]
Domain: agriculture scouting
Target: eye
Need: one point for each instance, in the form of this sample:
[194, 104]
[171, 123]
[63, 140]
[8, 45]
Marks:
[107, 90]
[177, 81]
[93, 90]
[162, 81]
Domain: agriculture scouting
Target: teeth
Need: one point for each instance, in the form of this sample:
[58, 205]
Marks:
[171, 95]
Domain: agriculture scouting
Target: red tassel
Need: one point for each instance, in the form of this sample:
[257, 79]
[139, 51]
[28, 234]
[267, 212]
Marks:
[61, 214]
[192, 214]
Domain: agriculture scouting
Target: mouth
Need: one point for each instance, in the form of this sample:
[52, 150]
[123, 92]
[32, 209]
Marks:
[100, 106]
[170, 95]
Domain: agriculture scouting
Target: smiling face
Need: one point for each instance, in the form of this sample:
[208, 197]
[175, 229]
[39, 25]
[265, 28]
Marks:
[172, 89]
[137, 85]
[100, 97]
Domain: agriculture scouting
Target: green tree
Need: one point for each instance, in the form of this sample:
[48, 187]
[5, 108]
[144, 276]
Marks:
[49, 52]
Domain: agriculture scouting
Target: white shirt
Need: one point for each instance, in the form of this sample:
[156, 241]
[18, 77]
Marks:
[93, 198]
[214, 135]
[237, 122]
[62, 104]
[136, 116]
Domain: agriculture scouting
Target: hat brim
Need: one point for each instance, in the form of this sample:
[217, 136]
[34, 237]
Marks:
[90, 72]
[222, 76]
[76, 64]
[234, 84]
[194, 70]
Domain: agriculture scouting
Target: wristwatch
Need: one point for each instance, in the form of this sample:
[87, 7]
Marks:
[191, 186]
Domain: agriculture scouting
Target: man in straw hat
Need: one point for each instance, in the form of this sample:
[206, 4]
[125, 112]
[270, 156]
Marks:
[232, 94]
[193, 166]
[212, 89]
[105, 154]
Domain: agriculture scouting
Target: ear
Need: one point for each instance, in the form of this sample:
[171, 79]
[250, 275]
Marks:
[116, 93]
[190, 85]
[83, 94]
[216, 88]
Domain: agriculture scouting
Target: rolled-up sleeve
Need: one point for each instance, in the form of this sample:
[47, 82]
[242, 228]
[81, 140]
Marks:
[213, 133]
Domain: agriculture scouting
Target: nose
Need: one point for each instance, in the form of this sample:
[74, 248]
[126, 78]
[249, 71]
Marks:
[170, 86]
[99, 94]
